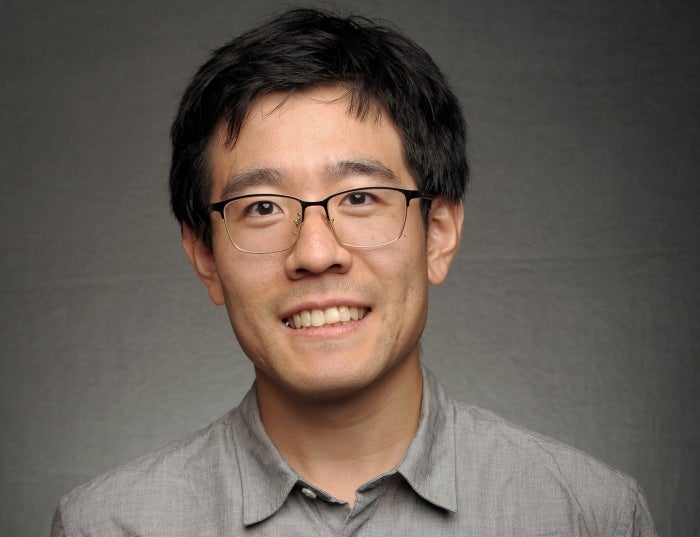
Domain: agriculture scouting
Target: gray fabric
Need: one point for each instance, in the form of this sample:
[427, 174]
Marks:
[467, 472]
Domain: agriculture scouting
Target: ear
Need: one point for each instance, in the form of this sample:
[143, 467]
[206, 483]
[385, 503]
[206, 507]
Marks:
[444, 233]
[203, 263]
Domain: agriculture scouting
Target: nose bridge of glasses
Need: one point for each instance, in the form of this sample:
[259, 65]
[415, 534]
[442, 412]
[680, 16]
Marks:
[306, 204]
[301, 217]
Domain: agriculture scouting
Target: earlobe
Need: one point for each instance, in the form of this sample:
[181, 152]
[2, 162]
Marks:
[444, 234]
[202, 259]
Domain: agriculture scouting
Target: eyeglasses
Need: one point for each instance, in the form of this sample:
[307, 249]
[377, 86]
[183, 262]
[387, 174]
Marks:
[359, 218]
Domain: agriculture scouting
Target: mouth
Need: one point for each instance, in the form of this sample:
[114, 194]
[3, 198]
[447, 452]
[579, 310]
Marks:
[335, 315]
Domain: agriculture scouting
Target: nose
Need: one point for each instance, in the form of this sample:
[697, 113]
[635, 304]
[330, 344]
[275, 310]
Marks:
[317, 249]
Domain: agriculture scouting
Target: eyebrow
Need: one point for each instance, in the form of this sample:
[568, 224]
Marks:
[368, 167]
[255, 177]
[274, 177]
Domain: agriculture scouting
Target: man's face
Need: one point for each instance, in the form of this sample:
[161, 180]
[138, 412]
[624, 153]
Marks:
[289, 145]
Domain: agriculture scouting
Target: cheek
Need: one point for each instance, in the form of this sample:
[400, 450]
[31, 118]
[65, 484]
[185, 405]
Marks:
[246, 284]
[247, 299]
[403, 273]
[405, 292]
[415, 276]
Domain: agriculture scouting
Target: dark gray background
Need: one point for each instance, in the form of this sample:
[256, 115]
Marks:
[573, 307]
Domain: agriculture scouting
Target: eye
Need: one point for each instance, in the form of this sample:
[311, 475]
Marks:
[359, 199]
[262, 208]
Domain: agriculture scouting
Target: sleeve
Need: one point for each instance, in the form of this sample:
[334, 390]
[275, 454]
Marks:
[641, 523]
[57, 529]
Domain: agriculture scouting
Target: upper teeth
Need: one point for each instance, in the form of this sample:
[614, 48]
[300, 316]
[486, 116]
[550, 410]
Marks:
[332, 315]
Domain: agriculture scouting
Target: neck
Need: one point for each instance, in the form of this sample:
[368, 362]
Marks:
[340, 443]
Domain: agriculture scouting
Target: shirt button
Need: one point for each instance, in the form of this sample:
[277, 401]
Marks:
[308, 493]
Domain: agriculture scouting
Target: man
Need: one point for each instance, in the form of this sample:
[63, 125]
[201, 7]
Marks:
[318, 171]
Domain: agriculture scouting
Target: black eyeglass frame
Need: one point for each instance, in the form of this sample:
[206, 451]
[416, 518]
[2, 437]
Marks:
[219, 207]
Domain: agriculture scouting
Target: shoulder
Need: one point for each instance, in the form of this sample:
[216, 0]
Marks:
[153, 490]
[520, 450]
[543, 479]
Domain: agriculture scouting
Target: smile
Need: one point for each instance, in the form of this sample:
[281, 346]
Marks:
[325, 317]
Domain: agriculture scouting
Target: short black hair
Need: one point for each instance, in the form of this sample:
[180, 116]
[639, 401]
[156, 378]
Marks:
[307, 48]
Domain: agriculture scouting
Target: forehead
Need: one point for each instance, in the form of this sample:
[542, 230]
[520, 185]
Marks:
[309, 108]
[304, 132]
[341, 98]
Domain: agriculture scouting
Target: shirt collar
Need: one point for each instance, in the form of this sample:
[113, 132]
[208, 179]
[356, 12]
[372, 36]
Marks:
[266, 478]
[428, 466]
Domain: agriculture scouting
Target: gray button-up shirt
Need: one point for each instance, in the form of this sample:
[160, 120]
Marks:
[467, 472]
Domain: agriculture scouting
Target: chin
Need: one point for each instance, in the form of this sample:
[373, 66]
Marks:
[330, 384]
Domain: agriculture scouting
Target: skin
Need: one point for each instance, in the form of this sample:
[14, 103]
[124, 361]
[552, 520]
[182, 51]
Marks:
[340, 402]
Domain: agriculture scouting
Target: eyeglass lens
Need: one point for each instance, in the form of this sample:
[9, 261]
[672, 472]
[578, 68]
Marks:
[359, 218]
